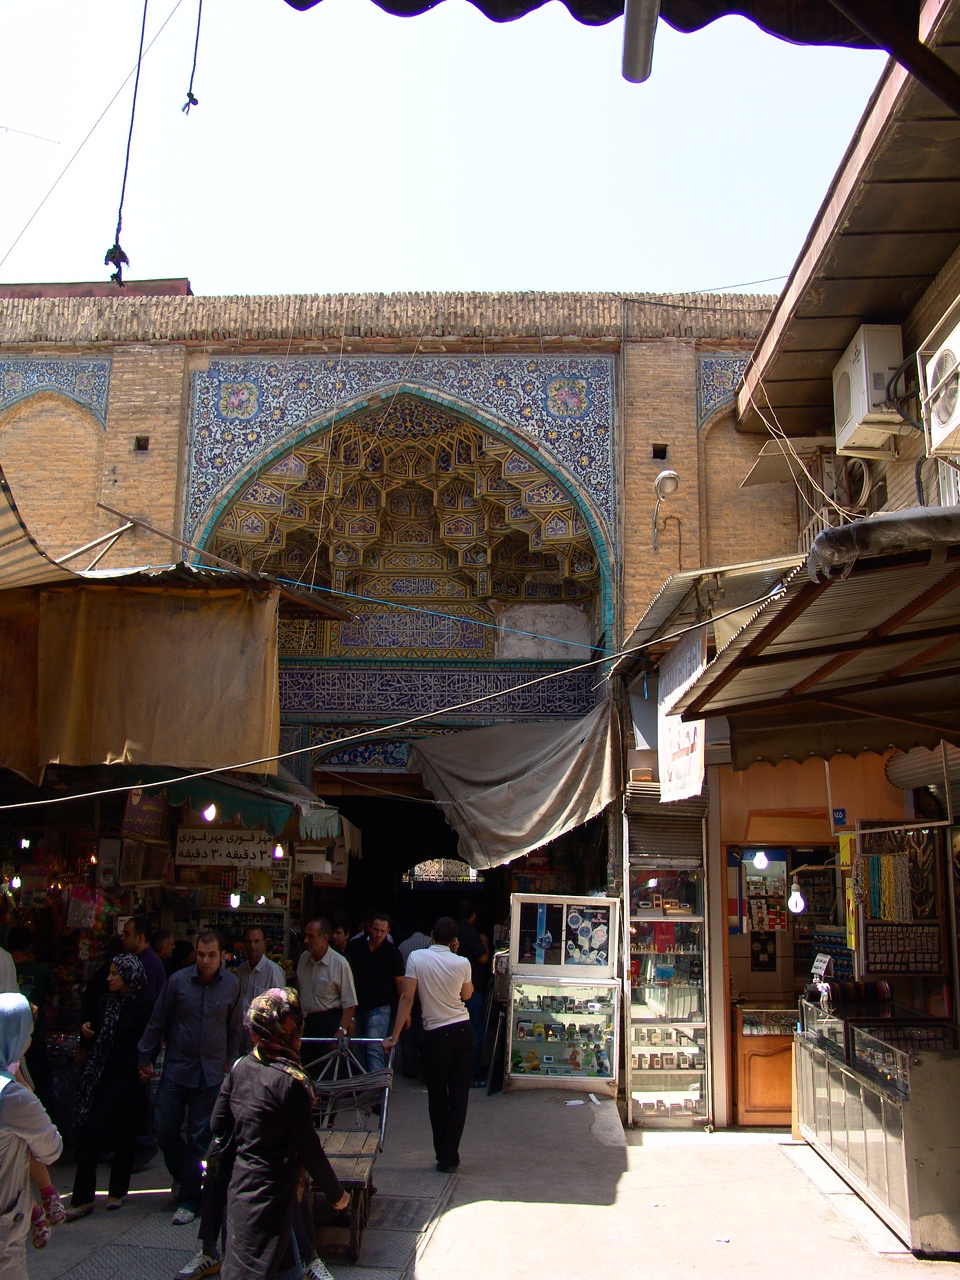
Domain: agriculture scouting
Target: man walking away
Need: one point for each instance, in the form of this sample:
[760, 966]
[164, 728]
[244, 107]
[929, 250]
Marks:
[442, 980]
[198, 1015]
[378, 976]
[325, 981]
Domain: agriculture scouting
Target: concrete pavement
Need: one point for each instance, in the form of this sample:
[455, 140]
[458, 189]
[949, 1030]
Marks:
[547, 1187]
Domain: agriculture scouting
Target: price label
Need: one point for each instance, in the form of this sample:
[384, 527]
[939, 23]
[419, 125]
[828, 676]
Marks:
[821, 964]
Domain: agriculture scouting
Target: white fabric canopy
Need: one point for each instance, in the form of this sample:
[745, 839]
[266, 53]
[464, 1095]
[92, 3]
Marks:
[511, 788]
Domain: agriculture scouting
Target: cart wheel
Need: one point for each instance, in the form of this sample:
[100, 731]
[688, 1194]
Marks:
[358, 1220]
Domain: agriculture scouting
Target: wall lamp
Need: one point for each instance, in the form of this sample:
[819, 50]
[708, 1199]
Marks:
[666, 483]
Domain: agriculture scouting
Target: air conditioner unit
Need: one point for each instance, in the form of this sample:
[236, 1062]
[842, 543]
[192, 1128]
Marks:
[864, 421]
[941, 401]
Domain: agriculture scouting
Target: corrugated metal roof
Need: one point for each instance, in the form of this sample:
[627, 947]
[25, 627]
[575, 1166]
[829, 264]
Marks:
[22, 562]
[864, 660]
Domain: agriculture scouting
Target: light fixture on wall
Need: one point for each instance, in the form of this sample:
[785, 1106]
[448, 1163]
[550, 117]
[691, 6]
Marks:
[666, 484]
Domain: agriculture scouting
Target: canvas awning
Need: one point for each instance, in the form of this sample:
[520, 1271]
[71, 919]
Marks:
[859, 652]
[510, 788]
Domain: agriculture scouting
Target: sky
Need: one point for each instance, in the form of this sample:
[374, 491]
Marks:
[345, 150]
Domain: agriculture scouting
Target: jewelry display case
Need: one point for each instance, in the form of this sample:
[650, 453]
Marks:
[882, 1112]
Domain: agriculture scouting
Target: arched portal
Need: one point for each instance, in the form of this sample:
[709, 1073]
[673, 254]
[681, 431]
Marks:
[440, 531]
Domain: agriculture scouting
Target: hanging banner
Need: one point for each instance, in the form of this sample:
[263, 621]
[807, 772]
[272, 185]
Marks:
[680, 744]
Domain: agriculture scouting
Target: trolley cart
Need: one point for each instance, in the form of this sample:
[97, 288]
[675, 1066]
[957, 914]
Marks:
[351, 1118]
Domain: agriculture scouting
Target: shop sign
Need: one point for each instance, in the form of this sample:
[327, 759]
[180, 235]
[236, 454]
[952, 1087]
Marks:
[214, 847]
[680, 743]
[335, 857]
[144, 814]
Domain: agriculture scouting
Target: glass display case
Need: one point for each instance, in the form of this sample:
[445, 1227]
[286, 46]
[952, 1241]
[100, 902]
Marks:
[883, 1114]
[564, 1034]
[563, 1027]
[668, 1053]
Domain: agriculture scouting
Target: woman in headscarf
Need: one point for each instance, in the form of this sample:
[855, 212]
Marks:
[25, 1130]
[111, 1098]
[267, 1099]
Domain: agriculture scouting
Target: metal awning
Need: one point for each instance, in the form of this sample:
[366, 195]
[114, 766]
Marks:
[777, 462]
[697, 594]
[888, 224]
[860, 651]
[22, 563]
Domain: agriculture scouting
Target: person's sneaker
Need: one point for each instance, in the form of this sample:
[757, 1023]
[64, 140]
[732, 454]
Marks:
[114, 1202]
[204, 1264]
[39, 1231]
[183, 1216]
[316, 1270]
[53, 1210]
[78, 1211]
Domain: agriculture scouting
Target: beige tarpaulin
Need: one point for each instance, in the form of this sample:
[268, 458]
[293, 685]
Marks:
[511, 788]
[146, 676]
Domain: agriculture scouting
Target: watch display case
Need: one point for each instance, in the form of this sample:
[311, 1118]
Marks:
[668, 1051]
[564, 1034]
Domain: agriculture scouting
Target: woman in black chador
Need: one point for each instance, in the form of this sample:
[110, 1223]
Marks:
[267, 1101]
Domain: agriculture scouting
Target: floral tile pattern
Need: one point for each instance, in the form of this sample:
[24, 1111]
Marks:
[247, 412]
[86, 381]
[718, 375]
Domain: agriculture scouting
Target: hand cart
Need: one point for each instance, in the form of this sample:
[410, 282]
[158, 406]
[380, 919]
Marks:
[350, 1115]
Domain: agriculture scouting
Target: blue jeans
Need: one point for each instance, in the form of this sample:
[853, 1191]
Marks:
[374, 1024]
[296, 1271]
[174, 1101]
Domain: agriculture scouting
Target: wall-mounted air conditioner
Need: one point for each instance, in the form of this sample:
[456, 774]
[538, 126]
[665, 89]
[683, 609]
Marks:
[864, 421]
[941, 401]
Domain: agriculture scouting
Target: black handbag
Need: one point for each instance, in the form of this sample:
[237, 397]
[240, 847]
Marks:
[218, 1162]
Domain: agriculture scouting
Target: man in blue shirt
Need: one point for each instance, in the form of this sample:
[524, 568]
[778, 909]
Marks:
[199, 1016]
[136, 940]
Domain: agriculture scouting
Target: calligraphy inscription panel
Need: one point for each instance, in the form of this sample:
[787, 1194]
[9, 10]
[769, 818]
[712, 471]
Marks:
[198, 846]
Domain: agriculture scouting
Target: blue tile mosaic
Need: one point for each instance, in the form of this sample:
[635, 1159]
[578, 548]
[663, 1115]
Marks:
[85, 381]
[245, 412]
[309, 690]
[718, 376]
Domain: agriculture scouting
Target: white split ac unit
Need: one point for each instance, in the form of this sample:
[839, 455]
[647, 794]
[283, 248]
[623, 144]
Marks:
[941, 401]
[864, 420]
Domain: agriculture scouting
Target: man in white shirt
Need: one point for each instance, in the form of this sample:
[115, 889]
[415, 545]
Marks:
[325, 982]
[442, 980]
[258, 973]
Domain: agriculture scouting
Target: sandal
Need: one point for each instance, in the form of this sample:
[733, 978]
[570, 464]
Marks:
[53, 1210]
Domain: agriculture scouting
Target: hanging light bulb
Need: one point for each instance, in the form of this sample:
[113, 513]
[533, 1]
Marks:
[234, 900]
[261, 900]
[278, 850]
[16, 882]
[760, 860]
[210, 812]
[25, 842]
[795, 902]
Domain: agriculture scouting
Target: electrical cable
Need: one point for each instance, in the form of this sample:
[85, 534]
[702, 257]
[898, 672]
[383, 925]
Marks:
[115, 256]
[89, 135]
[633, 651]
[191, 100]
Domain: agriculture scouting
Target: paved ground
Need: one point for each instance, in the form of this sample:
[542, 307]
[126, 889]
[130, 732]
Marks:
[548, 1188]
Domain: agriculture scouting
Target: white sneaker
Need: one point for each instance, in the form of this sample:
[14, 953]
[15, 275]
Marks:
[204, 1264]
[316, 1270]
[183, 1216]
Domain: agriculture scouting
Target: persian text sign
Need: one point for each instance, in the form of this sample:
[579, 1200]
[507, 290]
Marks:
[680, 743]
[210, 847]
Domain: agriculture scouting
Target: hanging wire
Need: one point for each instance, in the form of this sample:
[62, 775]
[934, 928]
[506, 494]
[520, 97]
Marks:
[191, 100]
[115, 256]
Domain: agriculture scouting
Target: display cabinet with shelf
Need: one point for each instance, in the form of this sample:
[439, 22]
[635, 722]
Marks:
[563, 1034]
[668, 1052]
